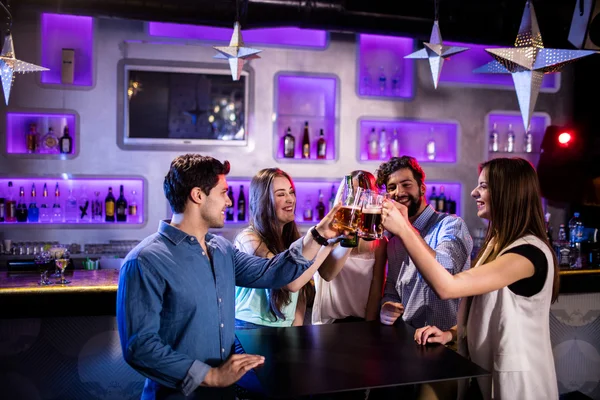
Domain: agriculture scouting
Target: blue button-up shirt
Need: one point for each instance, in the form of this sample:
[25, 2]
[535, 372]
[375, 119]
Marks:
[449, 237]
[175, 306]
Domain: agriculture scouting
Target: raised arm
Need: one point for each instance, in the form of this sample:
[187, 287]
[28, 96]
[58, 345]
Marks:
[375, 291]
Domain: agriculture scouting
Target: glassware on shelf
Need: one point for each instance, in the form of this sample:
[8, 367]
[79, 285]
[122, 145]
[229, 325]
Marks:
[84, 209]
[42, 262]
[494, 139]
[71, 212]
[97, 207]
[61, 264]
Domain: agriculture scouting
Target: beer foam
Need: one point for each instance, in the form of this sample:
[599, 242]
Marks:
[372, 210]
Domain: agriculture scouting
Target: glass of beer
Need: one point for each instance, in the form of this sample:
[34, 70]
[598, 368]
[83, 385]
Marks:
[370, 226]
[346, 218]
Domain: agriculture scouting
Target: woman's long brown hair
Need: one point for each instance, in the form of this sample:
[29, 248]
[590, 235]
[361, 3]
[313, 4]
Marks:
[515, 208]
[263, 219]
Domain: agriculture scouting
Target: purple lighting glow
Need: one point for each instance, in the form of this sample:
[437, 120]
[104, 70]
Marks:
[306, 98]
[459, 69]
[413, 136]
[383, 70]
[539, 122]
[68, 32]
[294, 37]
[17, 126]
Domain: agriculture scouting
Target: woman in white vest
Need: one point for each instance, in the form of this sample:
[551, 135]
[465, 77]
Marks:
[503, 319]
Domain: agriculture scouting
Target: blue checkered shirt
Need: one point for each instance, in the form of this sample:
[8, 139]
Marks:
[449, 236]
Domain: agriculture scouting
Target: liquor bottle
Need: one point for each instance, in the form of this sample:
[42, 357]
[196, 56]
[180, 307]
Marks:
[383, 145]
[305, 142]
[132, 208]
[45, 215]
[562, 247]
[320, 207]
[121, 206]
[382, 80]
[441, 201]
[71, 212]
[229, 212]
[109, 206]
[321, 146]
[431, 151]
[528, 148]
[549, 229]
[510, 139]
[22, 206]
[351, 241]
[11, 205]
[307, 214]
[433, 198]
[395, 82]
[451, 206]
[2, 206]
[289, 145]
[494, 139]
[241, 205]
[33, 214]
[366, 82]
[332, 197]
[373, 145]
[32, 139]
[57, 214]
[84, 206]
[50, 142]
[97, 207]
[66, 142]
[395, 144]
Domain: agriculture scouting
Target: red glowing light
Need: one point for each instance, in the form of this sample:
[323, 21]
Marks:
[564, 138]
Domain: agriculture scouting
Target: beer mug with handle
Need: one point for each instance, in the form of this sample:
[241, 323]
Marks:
[370, 226]
[346, 218]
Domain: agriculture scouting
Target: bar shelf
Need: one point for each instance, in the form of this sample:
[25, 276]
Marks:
[17, 125]
[88, 185]
[414, 136]
[301, 98]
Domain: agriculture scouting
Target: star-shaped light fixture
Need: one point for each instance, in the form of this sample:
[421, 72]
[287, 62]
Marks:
[9, 65]
[528, 61]
[436, 52]
[236, 53]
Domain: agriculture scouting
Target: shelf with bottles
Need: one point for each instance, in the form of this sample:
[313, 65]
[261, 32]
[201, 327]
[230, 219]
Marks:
[507, 137]
[427, 141]
[67, 45]
[305, 122]
[42, 134]
[383, 72]
[72, 201]
[450, 202]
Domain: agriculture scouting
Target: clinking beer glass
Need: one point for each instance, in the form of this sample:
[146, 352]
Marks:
[370, 226]
[347, 217]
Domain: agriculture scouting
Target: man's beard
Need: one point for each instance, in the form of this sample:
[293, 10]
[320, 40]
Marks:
[414, 203]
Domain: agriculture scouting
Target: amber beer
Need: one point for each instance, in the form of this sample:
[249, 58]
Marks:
[346, 218]
[370, 223]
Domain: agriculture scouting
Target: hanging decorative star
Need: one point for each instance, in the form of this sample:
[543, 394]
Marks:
[9, 65]
[528, 61]
[236, 53]
[436, 52]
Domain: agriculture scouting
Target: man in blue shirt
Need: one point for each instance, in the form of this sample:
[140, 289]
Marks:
[175, 300]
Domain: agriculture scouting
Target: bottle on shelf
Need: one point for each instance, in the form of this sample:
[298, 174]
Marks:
[562, 247]
[332, 197]
[510, 139]
[241, 205]
[22, 206]
[11, 205]
[289, 145]
[431, 150]
[109, 206]
[549, 232]
[305, 142]
[373, 145]
[433, 198]
[351, 241]
[84, 208]
[494, 139]
[66, 142]
[50, 142]
[45, 213]
[32, 139]
[395, 83]
[71, 211]
[121, 206]
[132, 209]
[307, 213]
[97, 207]
[2, 206]
[366, 82]
[383, 145]
[395, 144]
[321, 146]
[382, 80]
[575, 239]
[33, 213]
[450, 206]
[441, 200]
[229, 212]
[320, 207]
[528, 148]
[57, 213]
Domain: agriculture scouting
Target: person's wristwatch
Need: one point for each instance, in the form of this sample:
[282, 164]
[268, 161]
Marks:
[317, 236]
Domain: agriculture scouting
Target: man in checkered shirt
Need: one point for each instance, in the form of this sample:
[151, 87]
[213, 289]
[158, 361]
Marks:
[406, 293]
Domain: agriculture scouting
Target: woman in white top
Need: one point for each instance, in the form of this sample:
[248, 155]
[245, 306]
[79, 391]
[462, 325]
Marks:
[503, 318]
[349, 283]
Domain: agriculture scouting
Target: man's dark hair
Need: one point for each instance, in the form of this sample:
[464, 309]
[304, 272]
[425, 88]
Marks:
[396, 163]
[189, 171]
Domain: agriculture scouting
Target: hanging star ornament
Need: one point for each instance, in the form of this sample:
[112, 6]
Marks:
[236, 53]
[528, 61]
[9, 65]
[436, 52]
